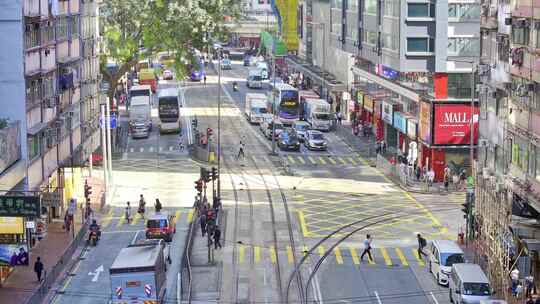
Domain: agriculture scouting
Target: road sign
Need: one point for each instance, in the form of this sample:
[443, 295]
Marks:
[96, 273]
[112, 121]
[20, 206]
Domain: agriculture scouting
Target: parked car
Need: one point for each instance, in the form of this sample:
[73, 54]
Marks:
[168, 75]
[267, 128]
[301, 127]
[288, 140]
[468, 284]
[315, 140]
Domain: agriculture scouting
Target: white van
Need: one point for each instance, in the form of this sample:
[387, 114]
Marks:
[254, 79]
[255, 107]
[468, 284]
[442, 255]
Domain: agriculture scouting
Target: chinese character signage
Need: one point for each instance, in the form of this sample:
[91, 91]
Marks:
[19, 206]
[452, 124]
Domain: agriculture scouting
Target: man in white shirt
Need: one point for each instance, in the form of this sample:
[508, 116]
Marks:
[367, 248]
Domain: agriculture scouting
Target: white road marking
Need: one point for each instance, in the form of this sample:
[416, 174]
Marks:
[178, 289]
[160, 149]
[434, 299]
[96, 273]
[378, 298]
[264, 276]
[131, 150]
[171, 148]
[135, 237]
[141, 149]
[151, 149]
[120, 231]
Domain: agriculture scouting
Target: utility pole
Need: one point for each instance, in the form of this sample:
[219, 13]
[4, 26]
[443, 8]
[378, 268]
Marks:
[274, 101]
[104, 150]
[107, 123]
[219, 127]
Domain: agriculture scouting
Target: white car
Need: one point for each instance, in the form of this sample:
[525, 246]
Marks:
[442, 255]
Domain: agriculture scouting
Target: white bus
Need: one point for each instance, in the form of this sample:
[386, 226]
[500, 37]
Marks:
[169, 110]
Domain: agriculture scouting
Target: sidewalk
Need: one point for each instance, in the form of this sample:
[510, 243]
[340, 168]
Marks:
[365, 147]
[56, 250]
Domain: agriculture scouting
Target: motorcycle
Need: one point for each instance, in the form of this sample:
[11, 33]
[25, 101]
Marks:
[94, 237]
[235, 86]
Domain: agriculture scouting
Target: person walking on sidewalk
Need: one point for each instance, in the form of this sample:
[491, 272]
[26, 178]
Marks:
[203, 224]
[446, 178]
[217, 236]
[128, 213]
[367, 248]
[421, 244]
[157, 205]
[142, 206]
[38, 268]
[339, 118]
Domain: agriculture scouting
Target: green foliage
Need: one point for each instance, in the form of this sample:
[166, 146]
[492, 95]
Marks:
[136, 29]
[4, 123]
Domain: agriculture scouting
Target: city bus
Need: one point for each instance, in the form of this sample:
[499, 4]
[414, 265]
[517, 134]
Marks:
[169, 110]
[282, 100]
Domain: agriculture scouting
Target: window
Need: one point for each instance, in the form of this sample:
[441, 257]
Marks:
[33, 146]
[370, 7]
[463, 12]
[389, 41]
[352, 5]
[463, 46]
[48, 86]
[370, 37]
[503, 47]
[459, 85]
[391, 8]
[520, 35]
[337, 4]
[74, 25]
[33, 91]
[537, 166]
[61, 28]
[420, 45]
[420, 10]
[31, 35]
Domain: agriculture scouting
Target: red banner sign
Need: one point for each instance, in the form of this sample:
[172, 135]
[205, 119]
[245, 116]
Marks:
[452, 124]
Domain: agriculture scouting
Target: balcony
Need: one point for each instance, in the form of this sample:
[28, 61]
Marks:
[48, 59]
[32, 63]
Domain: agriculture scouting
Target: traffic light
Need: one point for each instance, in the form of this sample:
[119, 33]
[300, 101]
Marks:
[214, 173]
[205, 175]
[209, 132]
[199, 186]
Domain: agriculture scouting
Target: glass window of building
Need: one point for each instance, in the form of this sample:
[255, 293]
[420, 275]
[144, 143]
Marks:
[370, 7]
[520, 35]
[463, 11]
[62, 28]
[370, 37]
[420, 44]
[459, 85]
[463, 46]
[337, 4]
[352, 5]
[416, 10]
[391, 8]
[33, 146]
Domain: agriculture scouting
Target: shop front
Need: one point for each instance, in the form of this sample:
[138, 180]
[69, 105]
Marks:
[400, 124]
[367, 110]
[388, 108]
[378, 123]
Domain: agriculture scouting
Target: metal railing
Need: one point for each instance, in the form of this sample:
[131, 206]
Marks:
[186, 262]
[52, 275]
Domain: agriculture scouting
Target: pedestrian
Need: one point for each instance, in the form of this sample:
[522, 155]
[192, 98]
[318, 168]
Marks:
[383, 147]
[181, 141]
[417, 172]
[431, 177]
[339, 118]
[367, 248]
[241, 151]
[530, 287]
[446, 178]
[204, 79]
[128, 213]
[142, 206]
[514, 276]
[157, 205]
[421, 244]
[217, 236]
[203, 224]
[38, 268]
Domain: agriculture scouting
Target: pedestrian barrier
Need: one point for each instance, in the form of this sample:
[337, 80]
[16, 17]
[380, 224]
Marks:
[186, 263]
[40, 294]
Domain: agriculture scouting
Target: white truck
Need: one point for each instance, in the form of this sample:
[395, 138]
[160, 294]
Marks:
[255, 107]
[255, 78]
[317, 112]
[140, 111]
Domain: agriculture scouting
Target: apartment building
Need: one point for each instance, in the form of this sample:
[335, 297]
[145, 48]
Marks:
[508, 185]
[407, 65]
[49, 90]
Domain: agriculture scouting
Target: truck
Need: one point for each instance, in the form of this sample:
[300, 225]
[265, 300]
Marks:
[255, 78]
[138, 274]
[148, 77]
[140, 109]
[302, 96]
[255, 107]
[318, 114]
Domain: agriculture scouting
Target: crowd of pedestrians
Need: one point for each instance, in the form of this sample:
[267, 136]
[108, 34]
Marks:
[208, 220]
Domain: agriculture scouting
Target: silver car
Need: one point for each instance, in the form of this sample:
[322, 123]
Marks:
[315, 140]
[139, 130]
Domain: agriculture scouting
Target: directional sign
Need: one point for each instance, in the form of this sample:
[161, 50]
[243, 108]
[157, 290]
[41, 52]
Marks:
[96, 273]
[112, 119]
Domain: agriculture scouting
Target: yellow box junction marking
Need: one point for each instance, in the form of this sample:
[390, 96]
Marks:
[419, 259]
[257, 253]
[312, 160]
[339, 258]
[354, 256]
[321, 250]
[290, 255]
[402, 257]
[386, 257]
[305, 250]
[273, 254]
[321, 159]
[303, 225]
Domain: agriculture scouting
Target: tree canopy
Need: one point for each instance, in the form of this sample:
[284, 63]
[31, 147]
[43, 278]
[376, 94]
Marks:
[133, 30]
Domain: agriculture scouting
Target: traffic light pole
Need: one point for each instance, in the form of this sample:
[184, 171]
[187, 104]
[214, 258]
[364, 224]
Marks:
[219, 128]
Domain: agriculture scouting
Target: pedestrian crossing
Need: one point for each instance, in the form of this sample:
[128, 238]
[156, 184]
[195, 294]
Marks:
[302, 159]
[341, 255]
[153, 149]
[115, 218]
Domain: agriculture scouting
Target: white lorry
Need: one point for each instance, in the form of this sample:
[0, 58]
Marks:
[140, 109]
[255, 78]
[317, 112]
[255, 107]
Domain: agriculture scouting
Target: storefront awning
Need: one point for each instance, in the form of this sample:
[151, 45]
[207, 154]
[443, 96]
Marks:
[316, 74]
[387, 84]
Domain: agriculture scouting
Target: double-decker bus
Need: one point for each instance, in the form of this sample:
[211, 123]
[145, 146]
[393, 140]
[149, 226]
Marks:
[169, 110]
[283, 102]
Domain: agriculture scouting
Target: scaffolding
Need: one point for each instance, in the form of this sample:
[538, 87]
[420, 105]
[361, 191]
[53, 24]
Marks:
[493, 210]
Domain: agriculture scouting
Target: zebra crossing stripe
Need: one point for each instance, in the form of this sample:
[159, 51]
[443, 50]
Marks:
[342, 161]
[121, 221]
[257, 253]
[131, 150]
[418, 258]
[171, 148]
[352, 160]
[141, 149]
[241, 253]
[290, 255]
[386, 257]
[291, 159]
[190, 216]
[273, 254]
[312, 160]
[305, 251]
[136, 219]
[339, 258]
[321, 250]
[354, 255]
[108, 218]
[402, 257]
[301, 160]
[321, 159]
[330, 159]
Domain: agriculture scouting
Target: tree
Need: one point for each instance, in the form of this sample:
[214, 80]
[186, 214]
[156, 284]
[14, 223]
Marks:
[136, 29]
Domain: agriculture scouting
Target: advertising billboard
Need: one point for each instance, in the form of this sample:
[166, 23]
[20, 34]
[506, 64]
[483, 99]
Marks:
[387, 112]
[424, 125]
[14, 254]
[452, 124]
[368, 103]
[20, 206]
[400, 122]
[11, 225]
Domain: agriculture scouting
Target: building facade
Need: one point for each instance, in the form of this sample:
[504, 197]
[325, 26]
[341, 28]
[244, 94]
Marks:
[405, 67]
[508, 185]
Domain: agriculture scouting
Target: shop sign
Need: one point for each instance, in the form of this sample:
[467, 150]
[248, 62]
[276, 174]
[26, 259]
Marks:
[20, 206]
[387, 72]
[10, 238]
[351, 104]
[387, 112]
[51, 199]
[11, 225]
[14, 254]
[452, 124]
[360, 98]
[411, 128]
[424, 126]
[368, 104]
[400, 122]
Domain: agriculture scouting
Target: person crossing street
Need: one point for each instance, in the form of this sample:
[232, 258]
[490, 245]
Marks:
[241, 151]
[422, 243]
[367, 248]
[142, 205]
[127, 213]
